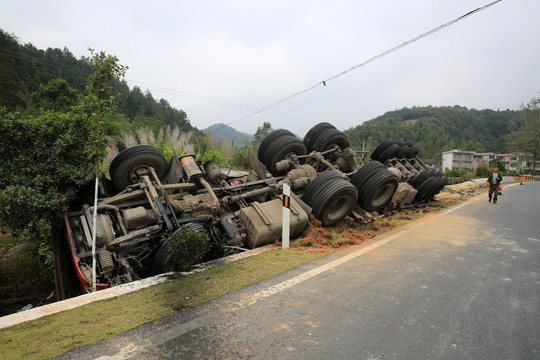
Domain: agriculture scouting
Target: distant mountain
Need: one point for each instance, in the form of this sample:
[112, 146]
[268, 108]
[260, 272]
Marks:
[437, 129]
[226, 134]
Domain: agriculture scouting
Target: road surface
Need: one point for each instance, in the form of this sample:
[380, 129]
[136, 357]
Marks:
[460, 284]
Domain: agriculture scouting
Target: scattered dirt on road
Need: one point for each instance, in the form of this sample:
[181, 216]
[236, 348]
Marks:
[350, 232]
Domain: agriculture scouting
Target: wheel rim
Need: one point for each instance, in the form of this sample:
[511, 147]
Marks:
[339, 208]
[383, 195]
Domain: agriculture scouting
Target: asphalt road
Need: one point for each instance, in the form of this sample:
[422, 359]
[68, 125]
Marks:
[461, 284]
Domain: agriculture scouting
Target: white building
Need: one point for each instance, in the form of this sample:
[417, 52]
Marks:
[456, 158]
[525, 161]
[483, 158]
[510, 161]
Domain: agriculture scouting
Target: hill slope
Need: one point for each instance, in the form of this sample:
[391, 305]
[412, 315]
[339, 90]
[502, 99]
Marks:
[437, 129]
[226, 134]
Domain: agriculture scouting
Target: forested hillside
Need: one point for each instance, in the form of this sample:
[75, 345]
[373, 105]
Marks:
[437, 129]
[32, 80]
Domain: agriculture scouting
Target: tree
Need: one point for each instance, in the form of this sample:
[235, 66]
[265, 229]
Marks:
[498, 163]
[98, 101]
[525, 139]
[262, 132]
[41, 153]
[56, 95]
[482, 170]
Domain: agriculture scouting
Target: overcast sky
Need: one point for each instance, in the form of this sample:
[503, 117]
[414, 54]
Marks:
[237, 57]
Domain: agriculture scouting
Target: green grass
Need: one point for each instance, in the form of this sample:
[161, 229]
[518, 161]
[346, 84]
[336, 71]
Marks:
[55, 334]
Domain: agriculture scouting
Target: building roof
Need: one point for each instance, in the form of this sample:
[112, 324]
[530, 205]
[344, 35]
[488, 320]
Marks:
[458, 151]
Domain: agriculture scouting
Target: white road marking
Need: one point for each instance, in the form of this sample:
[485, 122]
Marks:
[133, 349]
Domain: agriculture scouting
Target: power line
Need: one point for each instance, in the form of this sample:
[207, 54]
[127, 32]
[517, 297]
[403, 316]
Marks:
[387, 52]
[203, 98]
[193, 96]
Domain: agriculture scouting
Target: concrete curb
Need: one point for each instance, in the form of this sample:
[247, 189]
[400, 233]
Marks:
[38, 312]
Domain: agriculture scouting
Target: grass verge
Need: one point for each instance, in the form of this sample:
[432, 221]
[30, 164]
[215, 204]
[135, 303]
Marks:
[55, 334]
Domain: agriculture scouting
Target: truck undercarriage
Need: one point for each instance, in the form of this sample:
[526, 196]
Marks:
[148, 202]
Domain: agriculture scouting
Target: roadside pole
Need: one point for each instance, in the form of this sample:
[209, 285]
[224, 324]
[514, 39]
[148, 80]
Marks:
[94, 221]
[286, 217]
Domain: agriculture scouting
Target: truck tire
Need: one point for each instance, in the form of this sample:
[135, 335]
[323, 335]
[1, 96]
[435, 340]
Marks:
[133, 158]
[269, 140]
[328, 138]
[281, 149]
[413, 151]
[314, 133]
[383, 145]
[378, 191]
[443, 181]
[409, 143]
[318, 184]
[419, 179]
[402, 152]
[162, 261]
[334, 202]
[389, 153]
[365, 172]
[425, 189]
[437, 188]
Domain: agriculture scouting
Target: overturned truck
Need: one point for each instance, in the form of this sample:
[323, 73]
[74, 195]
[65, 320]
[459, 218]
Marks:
[147, 200]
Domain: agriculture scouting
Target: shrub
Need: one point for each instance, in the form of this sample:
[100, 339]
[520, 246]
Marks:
[187, 244]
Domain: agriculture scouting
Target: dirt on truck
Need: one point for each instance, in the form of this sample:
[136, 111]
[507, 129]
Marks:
[156, 215]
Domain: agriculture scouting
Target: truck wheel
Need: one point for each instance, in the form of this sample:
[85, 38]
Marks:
[383, 145]
[328, 138]
[409, 143]
[334, 202]
[163, 262]
[443, 181]
[436, 188]
[133, 158]
[419, 179]
[280, 149]
[389, 153]
[413, 151]
[318, 184]
[365, 173]
[425, 189]
[269, 140]
[402, 152]
[378, 191]
[314, 132]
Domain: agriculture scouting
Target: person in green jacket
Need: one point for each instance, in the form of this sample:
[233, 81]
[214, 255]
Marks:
[494, 180]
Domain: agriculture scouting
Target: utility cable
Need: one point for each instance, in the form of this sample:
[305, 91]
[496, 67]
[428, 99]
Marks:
[387, 52]
[203, 98]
